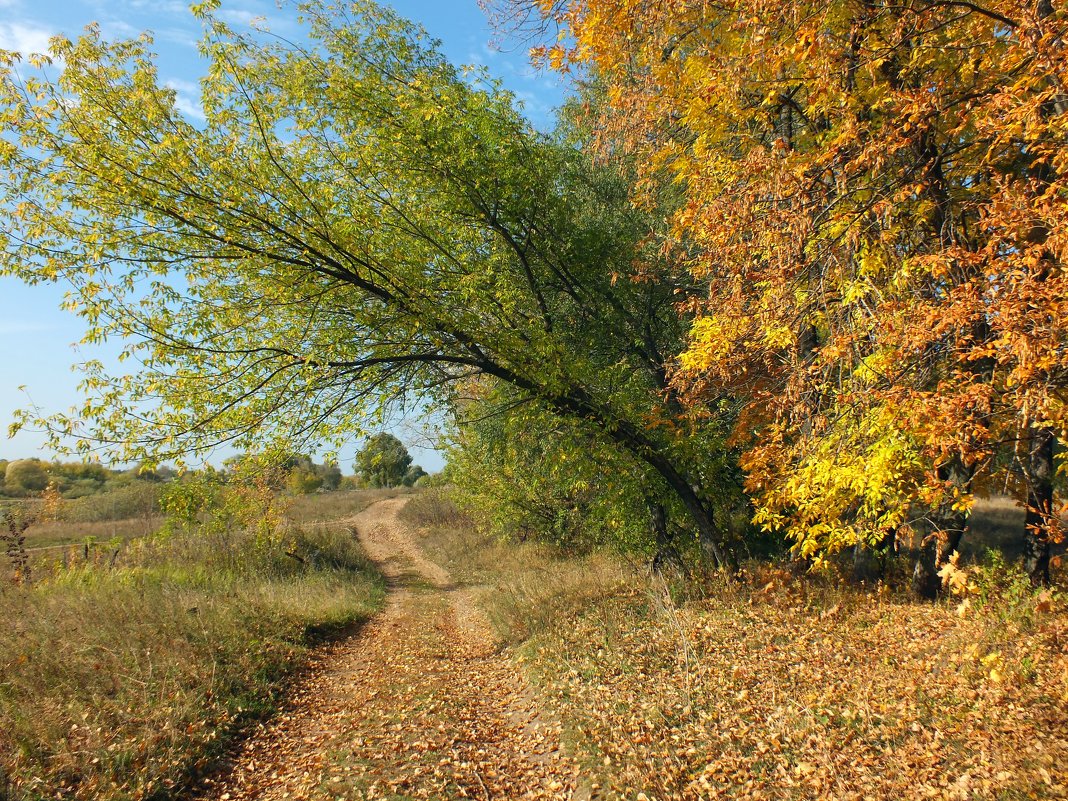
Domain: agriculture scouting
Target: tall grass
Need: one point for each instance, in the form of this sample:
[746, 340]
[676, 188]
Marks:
[123, 680]
[128, 511]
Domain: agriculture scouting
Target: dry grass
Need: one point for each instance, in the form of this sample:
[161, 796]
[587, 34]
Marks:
[997, 523]
[525, 587]
[132, 512]
[784, 687]
[122, 680]
[119, 515]
[336, 505]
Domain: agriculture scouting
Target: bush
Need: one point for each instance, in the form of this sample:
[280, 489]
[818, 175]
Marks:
[433, 508]
[25, 476]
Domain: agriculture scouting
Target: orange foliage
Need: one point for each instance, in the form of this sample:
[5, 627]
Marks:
[874, 198]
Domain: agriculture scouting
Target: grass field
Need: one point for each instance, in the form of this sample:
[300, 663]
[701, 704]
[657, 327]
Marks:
[92, 528]
[124, 676]
[304, 509]
[779, 686]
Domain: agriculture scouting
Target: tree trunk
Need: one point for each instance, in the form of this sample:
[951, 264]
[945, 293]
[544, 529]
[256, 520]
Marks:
[578, 402]
[948, 527]
[667, 555]
[869, 561]
[708, 534]
[1038, 469]
[1039, 517]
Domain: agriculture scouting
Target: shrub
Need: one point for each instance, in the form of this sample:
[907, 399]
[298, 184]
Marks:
[25, 476]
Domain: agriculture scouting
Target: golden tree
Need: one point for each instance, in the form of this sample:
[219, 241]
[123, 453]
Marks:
[874, 200]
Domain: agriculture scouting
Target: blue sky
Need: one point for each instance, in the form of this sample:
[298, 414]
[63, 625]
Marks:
[37, 339]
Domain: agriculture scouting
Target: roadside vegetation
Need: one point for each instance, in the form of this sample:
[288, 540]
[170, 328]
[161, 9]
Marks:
[779, 309]
[753, 292]
[774, 683]
[125, 671]
[95, 507]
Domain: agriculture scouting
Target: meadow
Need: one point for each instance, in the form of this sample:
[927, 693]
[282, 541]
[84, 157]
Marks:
[127, 670]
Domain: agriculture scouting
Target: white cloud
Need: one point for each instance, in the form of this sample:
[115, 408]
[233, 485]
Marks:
[187, 100]
[256, 14]
[237, 16]
[178, 36]
[180, 85]
[24, 38]
[117, 29]
[176, 7]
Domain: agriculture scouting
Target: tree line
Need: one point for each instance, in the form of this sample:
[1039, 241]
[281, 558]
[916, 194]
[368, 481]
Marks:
[783, 270]
[383, 461]
[27, 478]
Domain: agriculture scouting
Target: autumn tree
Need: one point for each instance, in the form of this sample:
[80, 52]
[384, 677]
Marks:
[353, 225]
[873, 206]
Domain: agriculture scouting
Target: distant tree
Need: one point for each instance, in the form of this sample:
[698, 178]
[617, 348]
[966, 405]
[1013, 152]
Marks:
[350, 483]
[145, 471]
[81, 478]
[431, 480]
[415, 472]
[232, 464]
[26, 475]
[303, 481]
[330, 473]
[165, 473]
[384, 461]
[295, 461]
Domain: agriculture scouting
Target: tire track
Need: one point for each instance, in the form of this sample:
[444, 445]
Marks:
[417, 705]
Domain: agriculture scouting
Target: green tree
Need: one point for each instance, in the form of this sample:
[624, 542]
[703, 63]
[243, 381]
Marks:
[302, 481]
[415, 472]
[384, 462]
[523, 472]
[353, 224]
[330, 474]
[25, 476]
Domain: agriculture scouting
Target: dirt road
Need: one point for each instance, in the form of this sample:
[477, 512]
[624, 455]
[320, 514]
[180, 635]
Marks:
[417, 705]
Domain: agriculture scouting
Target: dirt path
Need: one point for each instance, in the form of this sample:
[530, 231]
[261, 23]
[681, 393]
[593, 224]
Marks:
[417, 705]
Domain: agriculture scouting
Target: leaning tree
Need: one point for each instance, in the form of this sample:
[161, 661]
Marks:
[354, 223]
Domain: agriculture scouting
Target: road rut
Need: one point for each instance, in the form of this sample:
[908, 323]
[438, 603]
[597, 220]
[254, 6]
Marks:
[418, 705]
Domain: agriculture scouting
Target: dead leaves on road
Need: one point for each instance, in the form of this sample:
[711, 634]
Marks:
[762, 693]
[419, 705]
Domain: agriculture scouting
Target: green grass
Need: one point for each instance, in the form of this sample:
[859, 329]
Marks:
[124, 679]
